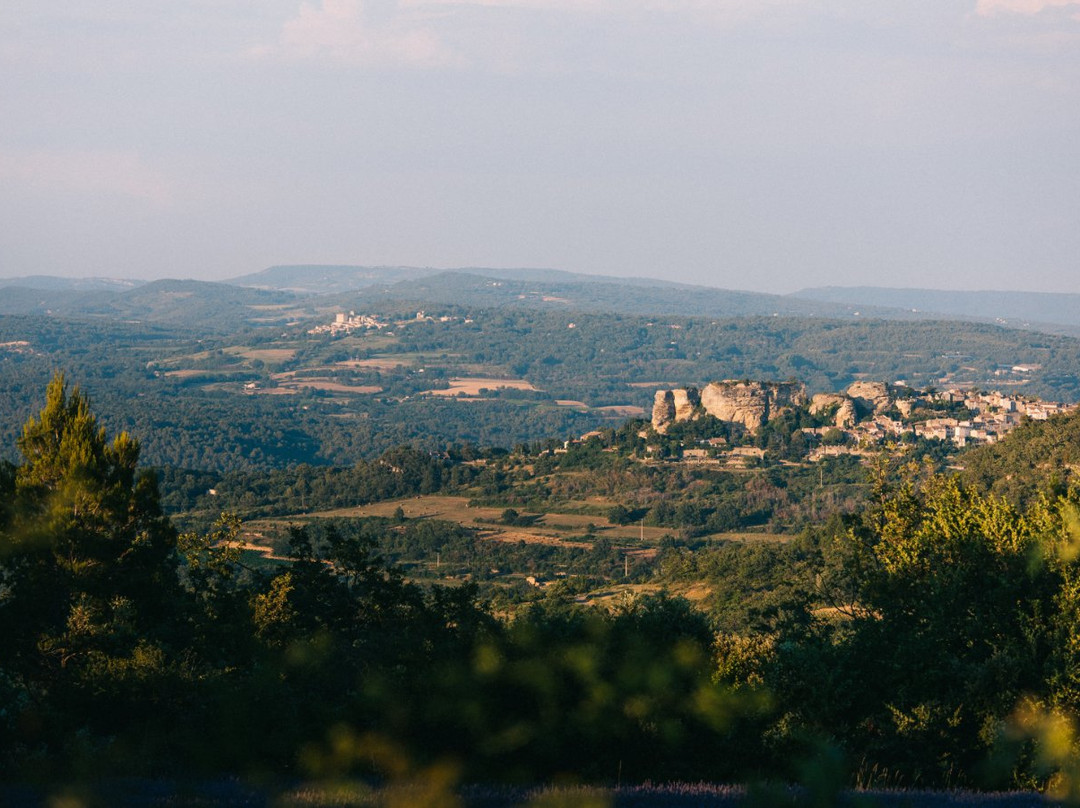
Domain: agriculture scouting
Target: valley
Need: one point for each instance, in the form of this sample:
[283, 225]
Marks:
[712, 546]
[494, 370]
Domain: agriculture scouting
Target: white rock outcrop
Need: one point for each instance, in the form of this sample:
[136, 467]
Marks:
[740, 402]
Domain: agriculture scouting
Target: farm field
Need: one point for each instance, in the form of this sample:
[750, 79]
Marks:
[473, 386]
[528, 538]
[555, 528]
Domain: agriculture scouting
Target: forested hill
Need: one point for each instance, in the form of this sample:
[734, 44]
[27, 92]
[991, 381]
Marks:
[543, 289]
[1038, 457]
[322, 279]
[205, 397]
[317, 279]
[196, 306]
[1019, 309]
[644, 295]
[282, 294]
[293, 291]
[621, 296]
[55, 283]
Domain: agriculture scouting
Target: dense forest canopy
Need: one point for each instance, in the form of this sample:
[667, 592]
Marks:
[262, 397]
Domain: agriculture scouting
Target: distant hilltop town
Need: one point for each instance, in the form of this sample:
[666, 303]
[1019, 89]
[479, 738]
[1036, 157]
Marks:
[866, 413]
[346, 323]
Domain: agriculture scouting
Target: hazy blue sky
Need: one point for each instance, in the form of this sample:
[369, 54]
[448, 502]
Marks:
[752, 144]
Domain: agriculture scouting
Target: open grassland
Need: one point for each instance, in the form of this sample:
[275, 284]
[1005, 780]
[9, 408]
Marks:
[551, 529]
[472, 386]
[190, 374]
[263, 354]
[327, 385]
[273, 391]
[570, 528]
[624, 410]
[610, 596]
[383, 363]
[459, 509]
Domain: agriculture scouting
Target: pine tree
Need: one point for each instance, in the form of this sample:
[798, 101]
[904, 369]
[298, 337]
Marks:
[90, 599]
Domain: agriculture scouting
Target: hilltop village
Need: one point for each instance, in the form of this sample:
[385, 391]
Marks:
[347, 323]
[863, 418]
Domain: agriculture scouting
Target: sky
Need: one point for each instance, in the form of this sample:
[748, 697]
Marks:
[767, 145]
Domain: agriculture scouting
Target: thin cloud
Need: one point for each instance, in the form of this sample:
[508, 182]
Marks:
[344, 31]
[577, 6]
[456, 33]
[628, 6]
[731, 9]
[85, 172]
[990, 8]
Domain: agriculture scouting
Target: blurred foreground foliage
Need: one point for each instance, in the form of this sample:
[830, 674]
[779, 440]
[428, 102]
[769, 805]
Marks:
[938, 646]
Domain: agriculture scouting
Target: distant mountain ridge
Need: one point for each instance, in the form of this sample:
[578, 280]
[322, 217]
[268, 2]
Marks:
[1019, 309]
[321, 279]
[286, 293]
[1058, 313]
[599, 294]
[56, 283]
[304, 290]
[352, 286]
[333, 278]
[198, 304]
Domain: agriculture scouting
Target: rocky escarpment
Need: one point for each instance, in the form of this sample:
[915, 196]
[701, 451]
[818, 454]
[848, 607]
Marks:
[663, 409]
[748, 403]
[675, 405]
[844, 412]
[871, 396]
[755, 403]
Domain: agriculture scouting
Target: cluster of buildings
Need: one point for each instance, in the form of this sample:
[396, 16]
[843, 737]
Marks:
[990, 417]
[423, 316]
[345, 323]
[994, 415]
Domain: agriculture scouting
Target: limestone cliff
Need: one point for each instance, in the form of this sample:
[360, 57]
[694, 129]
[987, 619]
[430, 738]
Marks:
[846, 415]
[871, 396]
[823, 401]
[755, 403]
[748, 403]
[663, 410]
[751, 403]
[686, 401]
